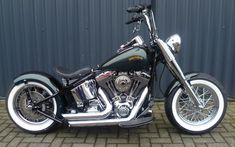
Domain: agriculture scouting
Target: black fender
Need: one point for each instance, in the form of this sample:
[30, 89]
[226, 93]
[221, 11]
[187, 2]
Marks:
[47, 80]
[41, 77]
[175, 83]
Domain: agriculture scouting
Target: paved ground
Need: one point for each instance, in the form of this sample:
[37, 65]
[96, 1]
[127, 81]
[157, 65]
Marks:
[158, 134]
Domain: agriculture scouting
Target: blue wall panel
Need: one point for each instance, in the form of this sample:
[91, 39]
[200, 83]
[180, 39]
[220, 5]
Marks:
[207, 29]
[42, 34]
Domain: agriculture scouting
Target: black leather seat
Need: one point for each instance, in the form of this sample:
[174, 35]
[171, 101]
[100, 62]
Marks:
[65, 73]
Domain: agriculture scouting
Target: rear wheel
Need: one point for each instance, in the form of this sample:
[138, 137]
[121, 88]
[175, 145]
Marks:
[20, 107]
[188, 117]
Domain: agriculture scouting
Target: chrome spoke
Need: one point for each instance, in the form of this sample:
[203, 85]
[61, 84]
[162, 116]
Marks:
[25, 101]
[187, 115]
[208, 100]
[193, 114]
[209, 107]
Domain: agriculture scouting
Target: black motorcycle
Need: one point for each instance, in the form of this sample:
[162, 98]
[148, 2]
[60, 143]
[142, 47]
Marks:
[119, 91]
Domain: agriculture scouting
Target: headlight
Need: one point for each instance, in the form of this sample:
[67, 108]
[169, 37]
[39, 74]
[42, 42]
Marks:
[174, 42]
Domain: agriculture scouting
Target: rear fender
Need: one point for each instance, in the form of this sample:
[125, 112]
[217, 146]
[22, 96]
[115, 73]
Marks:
[175, 83]
[41, 77]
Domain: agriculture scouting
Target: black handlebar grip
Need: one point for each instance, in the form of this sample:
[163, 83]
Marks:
[134, 19]
[135, 9]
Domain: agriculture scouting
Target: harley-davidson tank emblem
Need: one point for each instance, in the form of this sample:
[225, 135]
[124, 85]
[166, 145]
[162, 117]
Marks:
[135, 58]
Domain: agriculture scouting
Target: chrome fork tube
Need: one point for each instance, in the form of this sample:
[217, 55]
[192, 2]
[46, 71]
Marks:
[177, 70]
[174, 67]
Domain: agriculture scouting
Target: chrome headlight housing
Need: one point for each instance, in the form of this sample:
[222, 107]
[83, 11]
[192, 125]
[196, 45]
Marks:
[174, 43]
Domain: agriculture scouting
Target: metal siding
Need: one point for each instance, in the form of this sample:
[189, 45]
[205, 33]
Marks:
[42, 34]
[207, 29]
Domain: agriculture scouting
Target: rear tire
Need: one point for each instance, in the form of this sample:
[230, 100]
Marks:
[19, 106]
[189, 118]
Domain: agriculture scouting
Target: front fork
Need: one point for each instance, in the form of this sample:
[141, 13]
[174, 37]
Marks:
[176, 70]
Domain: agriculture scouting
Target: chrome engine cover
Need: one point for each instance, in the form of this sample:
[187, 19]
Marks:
[124, 89]
[123, 110]
[87, 91]
[122, 82]
[123, 105]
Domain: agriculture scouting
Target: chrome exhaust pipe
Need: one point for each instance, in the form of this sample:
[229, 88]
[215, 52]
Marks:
[92, 115]
[117, 121]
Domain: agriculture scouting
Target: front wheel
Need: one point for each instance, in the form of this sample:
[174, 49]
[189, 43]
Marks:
[188, 117]
[19, 105]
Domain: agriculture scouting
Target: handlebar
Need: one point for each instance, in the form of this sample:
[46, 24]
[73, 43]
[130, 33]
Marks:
[144, 13]
[138, 8]
[134, 19]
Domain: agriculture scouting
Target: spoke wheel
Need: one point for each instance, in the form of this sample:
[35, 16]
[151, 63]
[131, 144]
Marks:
[191, 113]
[20, 106]
[190, 118]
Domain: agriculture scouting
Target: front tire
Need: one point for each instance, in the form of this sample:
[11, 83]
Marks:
[189, 118]
[19, 106]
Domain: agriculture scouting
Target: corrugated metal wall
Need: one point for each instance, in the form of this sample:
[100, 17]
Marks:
[41, 34]
[207, 30]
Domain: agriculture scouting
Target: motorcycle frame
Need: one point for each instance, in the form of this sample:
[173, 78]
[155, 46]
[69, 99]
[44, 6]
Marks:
[159, 51]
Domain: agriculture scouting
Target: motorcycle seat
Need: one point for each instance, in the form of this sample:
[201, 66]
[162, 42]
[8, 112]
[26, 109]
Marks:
[67, 74]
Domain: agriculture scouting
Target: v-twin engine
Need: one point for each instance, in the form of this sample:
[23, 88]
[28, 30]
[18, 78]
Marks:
[109, 96]
[123, 88]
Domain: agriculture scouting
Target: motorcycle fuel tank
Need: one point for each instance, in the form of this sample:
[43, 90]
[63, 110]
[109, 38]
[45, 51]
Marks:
[132, 59]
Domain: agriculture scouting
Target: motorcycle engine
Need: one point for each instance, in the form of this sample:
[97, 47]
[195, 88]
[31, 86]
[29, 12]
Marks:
[122, 82]
[123, 88]
[87, 92]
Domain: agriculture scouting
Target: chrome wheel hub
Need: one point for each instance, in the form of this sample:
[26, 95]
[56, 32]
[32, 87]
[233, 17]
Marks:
[25, 104]
[22, 110]
[193, 114]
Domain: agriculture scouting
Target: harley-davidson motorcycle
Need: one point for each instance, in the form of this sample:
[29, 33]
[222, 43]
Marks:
[119, 91]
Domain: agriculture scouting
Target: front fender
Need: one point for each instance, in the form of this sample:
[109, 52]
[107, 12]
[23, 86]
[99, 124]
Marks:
[175, 83]
[47, 79]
